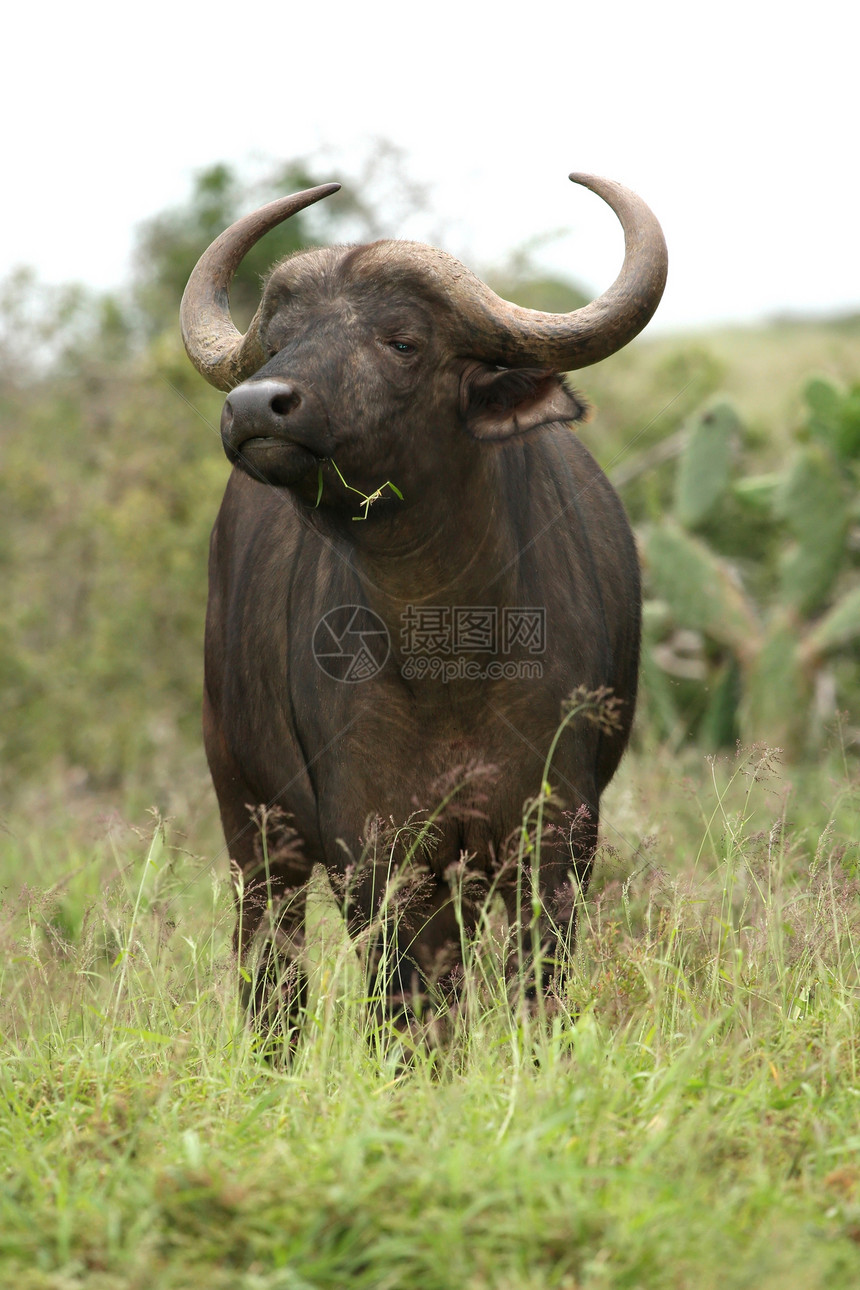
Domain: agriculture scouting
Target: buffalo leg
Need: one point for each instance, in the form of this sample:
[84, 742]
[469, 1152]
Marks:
[270, 879]
[564, 872]
[270, 940]
[411, 935]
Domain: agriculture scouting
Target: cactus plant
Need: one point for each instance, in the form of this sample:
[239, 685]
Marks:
[813, 502]
[776, 690]
[703, 471]
[834, 418]
[753, 581]
[839, 627]
[700, 588]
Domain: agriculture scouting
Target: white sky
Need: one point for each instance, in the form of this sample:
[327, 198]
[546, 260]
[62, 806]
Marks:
[738, 122]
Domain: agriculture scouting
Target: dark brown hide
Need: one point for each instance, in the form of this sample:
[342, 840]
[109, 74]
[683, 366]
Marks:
[372, 374]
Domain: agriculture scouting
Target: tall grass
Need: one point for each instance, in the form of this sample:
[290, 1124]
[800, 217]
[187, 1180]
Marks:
[684, 1113]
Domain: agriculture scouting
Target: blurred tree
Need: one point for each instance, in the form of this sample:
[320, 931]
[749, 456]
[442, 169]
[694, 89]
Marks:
[523, 280]
[375, 201]
[378, 200]
[170, 244]
[40, 325]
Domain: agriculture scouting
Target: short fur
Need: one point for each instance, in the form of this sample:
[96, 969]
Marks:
[371, 371]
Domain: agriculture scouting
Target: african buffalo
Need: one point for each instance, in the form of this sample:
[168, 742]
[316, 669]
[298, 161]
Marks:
[415, 564]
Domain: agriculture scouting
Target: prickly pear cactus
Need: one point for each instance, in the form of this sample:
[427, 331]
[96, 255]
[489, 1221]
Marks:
[839, 627]
[766, 588]
[834, 418]
[813, 502]
[699, 589]
[776, 691]
[705, 465]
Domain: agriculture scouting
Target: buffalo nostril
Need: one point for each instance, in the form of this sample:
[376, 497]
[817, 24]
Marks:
[285, 402]
[226, 417]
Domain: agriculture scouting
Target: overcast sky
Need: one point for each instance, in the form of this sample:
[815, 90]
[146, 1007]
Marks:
[738, 123]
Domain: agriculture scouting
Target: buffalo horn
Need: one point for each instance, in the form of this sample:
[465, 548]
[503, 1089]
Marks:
[520, 337]
[497, 330]
[219, 352]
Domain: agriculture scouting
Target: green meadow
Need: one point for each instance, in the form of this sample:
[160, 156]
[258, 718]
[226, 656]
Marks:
[685, 1114]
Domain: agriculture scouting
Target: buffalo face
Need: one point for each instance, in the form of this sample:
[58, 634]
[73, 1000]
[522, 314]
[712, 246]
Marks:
[365, 386]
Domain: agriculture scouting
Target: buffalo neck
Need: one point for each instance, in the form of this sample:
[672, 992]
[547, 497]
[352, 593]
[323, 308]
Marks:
[449, 547]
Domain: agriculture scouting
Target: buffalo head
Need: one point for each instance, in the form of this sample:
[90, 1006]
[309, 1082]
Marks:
[357, 354]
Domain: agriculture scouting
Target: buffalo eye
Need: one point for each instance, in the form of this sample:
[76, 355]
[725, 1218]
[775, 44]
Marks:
[404, 347]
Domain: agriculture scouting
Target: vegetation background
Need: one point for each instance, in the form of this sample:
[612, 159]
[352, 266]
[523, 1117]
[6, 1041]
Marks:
[689, 1114]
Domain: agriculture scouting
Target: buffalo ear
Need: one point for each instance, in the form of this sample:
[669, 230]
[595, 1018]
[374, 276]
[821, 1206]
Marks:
[499, 402]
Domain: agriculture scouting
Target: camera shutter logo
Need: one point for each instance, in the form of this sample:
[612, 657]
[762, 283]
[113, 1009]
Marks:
[351, 644]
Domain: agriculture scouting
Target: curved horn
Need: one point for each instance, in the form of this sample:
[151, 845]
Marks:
[219, 352]
[513, 335]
